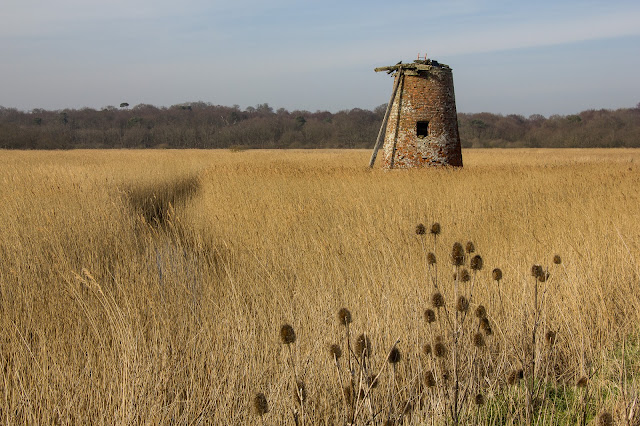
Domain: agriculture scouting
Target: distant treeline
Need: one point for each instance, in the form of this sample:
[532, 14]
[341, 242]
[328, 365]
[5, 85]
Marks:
[203, 125]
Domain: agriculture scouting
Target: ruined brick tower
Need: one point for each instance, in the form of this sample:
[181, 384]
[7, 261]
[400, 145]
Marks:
[421, 125]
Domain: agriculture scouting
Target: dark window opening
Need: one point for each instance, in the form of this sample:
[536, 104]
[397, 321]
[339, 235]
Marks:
[422, 129]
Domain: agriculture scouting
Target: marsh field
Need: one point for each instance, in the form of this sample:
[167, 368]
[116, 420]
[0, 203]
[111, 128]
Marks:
[152, 287]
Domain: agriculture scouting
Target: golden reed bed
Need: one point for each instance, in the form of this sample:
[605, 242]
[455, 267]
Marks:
[151, 287]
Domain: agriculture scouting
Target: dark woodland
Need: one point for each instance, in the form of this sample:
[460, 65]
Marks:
[204, 125]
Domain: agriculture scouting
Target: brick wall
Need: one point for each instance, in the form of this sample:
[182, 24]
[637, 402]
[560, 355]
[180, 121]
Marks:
[423, 96]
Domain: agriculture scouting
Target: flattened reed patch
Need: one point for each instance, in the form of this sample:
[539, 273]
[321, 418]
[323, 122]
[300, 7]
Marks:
[153, 202]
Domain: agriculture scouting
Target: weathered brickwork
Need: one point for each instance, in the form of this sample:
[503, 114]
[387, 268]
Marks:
[422, 129]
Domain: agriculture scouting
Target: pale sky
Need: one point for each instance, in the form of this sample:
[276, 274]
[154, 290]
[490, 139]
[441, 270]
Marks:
[546, 57]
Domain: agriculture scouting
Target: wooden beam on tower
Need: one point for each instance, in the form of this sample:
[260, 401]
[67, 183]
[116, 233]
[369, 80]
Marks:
[386, 118]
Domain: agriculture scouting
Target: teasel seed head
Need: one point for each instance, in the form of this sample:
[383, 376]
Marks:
[478, 340]
[438, 338]
[457, 254]
[363, 345]
[497, 274]
[470, 248]
[429, 379]
[476, 263]
[429, 316]
[437, 300]
[435, 229]
[543, 277]
[556, 259]
[463, 304]
[479, 399]
[582, 382]
[486, 326]
[300, 392]
[605, 419]
[421, 229]
[426, 349]
[440, 350]
[536, 271]
[287, 335]
[260, 404]
[394, 356]
[464, 276]
[481, 312]
[344, 315]
[550, 337]
[336, 351]
[431, 258]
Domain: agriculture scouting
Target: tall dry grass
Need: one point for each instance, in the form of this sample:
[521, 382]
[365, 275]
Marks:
[150, 287]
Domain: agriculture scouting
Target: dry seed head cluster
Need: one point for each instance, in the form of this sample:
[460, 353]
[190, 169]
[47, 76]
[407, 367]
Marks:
[486, 326]
[394, 355]
[429, 316]
[421, 229]
[435, 229]
[440, 350]
[464, 276]
[437, 300]
[336, 351]
[429, 379]
[426, 349]
[463, 304]
[537, 271]
[478, 340]
[287, 334]
[431, 258]
[497, 274]
[476, 263]
[470, 248]
[260, 404]
[457, 254]
[344, 315]
[481, 312]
